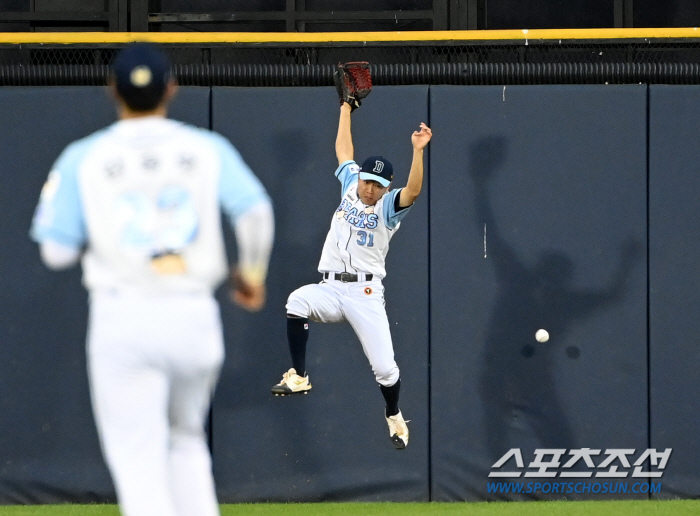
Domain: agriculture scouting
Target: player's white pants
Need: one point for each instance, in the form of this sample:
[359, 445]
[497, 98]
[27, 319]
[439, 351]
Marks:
[153, 364]
[362, 305]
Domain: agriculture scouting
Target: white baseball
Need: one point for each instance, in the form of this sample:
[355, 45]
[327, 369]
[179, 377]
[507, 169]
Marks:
[542, 336]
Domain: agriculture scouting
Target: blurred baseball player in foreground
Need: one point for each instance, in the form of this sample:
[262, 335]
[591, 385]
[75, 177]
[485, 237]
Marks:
[352, 265]
[140, 202]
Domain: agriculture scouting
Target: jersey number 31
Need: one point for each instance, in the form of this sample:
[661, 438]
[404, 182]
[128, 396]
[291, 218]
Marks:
[365, 238]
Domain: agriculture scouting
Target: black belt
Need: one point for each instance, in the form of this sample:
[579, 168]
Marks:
[346, 277]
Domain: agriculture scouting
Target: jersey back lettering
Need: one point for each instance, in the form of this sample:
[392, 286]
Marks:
[145, 196]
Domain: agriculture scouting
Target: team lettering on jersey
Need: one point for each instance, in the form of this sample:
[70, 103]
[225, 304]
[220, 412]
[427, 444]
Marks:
[357, 218]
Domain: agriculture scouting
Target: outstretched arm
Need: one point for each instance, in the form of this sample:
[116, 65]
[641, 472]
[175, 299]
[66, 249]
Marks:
[631, 253]
[410, 192]
[343, 142]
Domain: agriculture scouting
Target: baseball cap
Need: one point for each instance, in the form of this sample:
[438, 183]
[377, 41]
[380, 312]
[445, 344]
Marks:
[376, 168]
[141, 72]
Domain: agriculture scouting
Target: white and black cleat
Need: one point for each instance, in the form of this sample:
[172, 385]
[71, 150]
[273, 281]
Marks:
[292, 383]
[398, 431]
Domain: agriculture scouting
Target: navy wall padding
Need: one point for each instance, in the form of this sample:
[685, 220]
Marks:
[50, 450]
[191, 105]
[537, 220]
[49, 443]
[533, 215]
[332, 444]
[674, 274]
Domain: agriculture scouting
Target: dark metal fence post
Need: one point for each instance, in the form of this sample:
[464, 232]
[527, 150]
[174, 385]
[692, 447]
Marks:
[139, 16]
[440, 14]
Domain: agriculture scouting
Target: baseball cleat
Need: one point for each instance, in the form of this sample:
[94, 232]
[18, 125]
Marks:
[292, 383]
[398, 431]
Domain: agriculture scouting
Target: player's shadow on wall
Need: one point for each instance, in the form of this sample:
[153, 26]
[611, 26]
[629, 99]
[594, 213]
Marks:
[517, 387]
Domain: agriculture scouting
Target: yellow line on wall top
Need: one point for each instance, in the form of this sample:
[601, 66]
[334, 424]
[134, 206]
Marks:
[16, 38]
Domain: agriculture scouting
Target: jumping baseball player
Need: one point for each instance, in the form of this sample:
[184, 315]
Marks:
[140, 202]
[352, 268]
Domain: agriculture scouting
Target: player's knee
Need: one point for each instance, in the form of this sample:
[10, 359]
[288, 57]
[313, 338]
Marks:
[297, 305]
[387, 376]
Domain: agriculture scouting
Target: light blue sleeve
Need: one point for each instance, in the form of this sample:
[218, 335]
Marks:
[59, 215]
[347, 173]
[239, 188]
[391, 218]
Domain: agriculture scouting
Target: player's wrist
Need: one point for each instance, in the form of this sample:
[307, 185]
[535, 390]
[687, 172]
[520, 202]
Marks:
[253, 275]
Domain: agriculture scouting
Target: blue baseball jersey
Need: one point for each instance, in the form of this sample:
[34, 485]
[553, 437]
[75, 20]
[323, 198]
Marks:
[142, 189]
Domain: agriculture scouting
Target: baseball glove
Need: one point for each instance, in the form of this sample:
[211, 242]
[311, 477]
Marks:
[353, 82]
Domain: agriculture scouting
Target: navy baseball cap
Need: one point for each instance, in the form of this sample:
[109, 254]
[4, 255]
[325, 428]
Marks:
[141, 72]
[376, 168]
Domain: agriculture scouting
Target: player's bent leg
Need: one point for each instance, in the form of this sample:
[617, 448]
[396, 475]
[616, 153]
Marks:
[391, 397]
[316, 302]
[368, 319]
[297, 337]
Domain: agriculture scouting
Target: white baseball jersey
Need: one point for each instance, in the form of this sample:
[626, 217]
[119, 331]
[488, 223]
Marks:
[162, 183]
[358, 240]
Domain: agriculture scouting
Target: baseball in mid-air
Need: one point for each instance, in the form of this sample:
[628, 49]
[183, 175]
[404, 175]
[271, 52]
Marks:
[542, 335]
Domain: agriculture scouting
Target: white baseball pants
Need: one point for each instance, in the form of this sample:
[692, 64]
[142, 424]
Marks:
[153, 364]
[362, 305]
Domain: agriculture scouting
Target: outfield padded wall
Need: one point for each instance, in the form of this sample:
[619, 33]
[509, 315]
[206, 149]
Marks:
[50, 450]
[538, 220]
[50, 447]
[332, 444]
[674, 272]
[568, 174]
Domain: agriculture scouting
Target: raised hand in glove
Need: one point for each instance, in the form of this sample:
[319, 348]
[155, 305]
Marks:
[353, 81]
